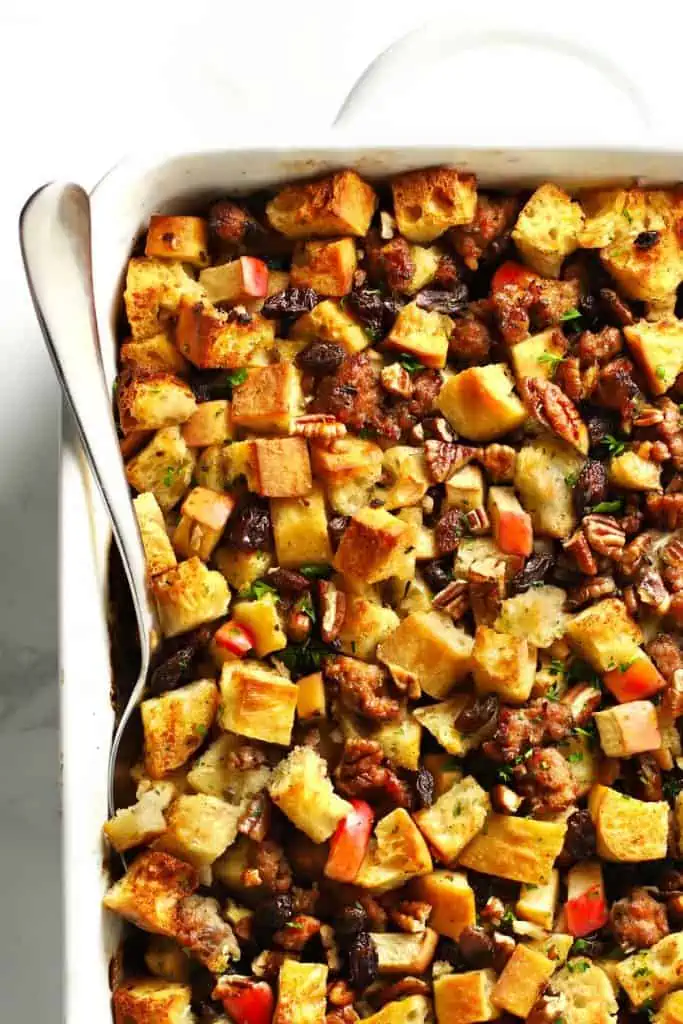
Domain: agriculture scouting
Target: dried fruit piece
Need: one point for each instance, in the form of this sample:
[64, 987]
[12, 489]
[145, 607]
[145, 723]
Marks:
[320, 358]
[534, 572]
[450, 302]
[290, 302]
[448, 531]
[591, 486]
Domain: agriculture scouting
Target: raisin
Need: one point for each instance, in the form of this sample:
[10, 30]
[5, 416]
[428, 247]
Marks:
[320, 358]
[424, 787]
[473, 717]
[646, 239]
[437, 574]
[287, 581]
[251, 528]
[536, 569]
[376, 314]
[449, 951]
[336, 526]
[273, 913]
[476, 947]
[599, 426]
[363, 961]
[290, 302]
[591, 486]
[350, 922]
[437, 301]
[175, 669]
[448, 531]
[590, 312]
[579, 840]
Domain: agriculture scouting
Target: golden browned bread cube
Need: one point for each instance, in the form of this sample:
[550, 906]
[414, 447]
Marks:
[301, 788]
[605, 634]
[479, 402]
[152, 355]
[178, 238]
[176, 723]
[538, 903]
[300, 530]
[522, 980]
[587, 993]
[154, 289]
[405, 479]
[374, 546]
[329, 322]
[188, 596]
[159, 554]
[214, 340]
[466, 489]
[400, 740]
[628, 829]
[430, 648]
[520, 849]
[542, 471]
[651, 973]
[152, 1001]
[422, 334]
[241, 568]
[411, 1010]
[143, 821]
[341, 204]
[204, 514]
[269, 399]
[547, 229]
[210, 424]
[410, 953]
[257, 703]
[396, 853]
[537, 614]
[658, 349]
[366, 624]
[503, 664]
[451, 898]
[634, 473]
[200, 828]
[428, 201]
[439, 719]
[327, 267]
[263, 622]
[209, 468]
[164, 467]
[349, 467]
[302, 994]
[150, 891]
[455, 818]
[280, 468]
[154, 401]
[213, 772]
[671, 1010]
[539, 355]
[465, 998]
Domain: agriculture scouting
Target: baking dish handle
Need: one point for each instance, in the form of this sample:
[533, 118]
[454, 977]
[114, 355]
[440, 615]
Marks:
[491, 76]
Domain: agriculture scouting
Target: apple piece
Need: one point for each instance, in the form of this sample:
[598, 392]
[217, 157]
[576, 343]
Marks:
[658, 349]
[538, 903]
[586, 906]
[634, 473]
[634, 680]
[233, 639]
[512, 529]
[628, 729]
[238, 281]
[350, 842]
[245, 1000]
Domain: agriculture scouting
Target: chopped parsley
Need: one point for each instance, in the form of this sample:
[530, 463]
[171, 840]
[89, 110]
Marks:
[625, 665]
[627, 216]
[575, 757]
[641, 972]
[257, 590]
[411, 364]
[609, 507]
[305, 605]
[556, 667]
[570, 314]
[303, 659]
[613, 444]
[579, 946]
[660, 372]
[316, 572]
[508, 917]
[169, 475]
[578, 968]
[551, 360]
[581, 672]
[236, 377]
[457, 810]
[572, 479]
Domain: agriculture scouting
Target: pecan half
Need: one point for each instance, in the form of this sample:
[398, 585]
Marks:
[670, 430]
[651, 591]
[648, 416]
[604, 535]
[498, 460]
[332, 610]
[411, 915]
[578, 547]
[548, 404]
[486, 596]
[444, 459]
[319, 425]
[591, 590]
[577, 382]
[477, 520]
[453, 599]
[672, 557]
[363, 770]
[665, 509]
[636, 551]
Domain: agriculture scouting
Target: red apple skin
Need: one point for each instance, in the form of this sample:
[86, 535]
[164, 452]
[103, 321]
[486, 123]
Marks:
[234, 638]
[349, 843]
[254, 277]
[514, 533]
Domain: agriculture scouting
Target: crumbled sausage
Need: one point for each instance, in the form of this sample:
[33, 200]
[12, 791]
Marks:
[231, 223]
[273, 867]
[666, 654]
[470, 341]
[297, 933]
[493, 217]
[362, 687]
[390, 262]
[600, 347]
[638, 921]
[591, 486]
[363, 771]
[201, 929]
[617, 388]
[546, 779]
[476, 947]
[520, 729]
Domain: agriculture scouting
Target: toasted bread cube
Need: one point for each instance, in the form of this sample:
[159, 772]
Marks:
[366, 624]
[154, 289]
[269, 399]
[400, 739]
[188, 596]
[439, 720]
[628, 729]
[555, 946]
[654, 972]
[311, 699]
[257, 703]
[327, 267]
[605, 634]
[429, 647]
[200, 828]
[263, 622]
[209, 467]
[520, 849]
[652, 274]
[239, 281]
[671, 1010]
[143, 821]
[452, 901]
[300, 530]
[536, 614]
[589, 997]
[214, 340]
[242, 568]
[150, 891]
[407, 478]
[152, 1001]
[176, 723]
[465, 998]
[374, 546]
[503, 664]
[178, 238]
[238, 463]
[628, 829]
[214, 775]
[523, 979]
[210, 424]
[301, 788]
[396, 853]
[422, 334]
[302, 994]
[153, 355]
[658, 349]
[411, 1010]
[204, 514]
[444, 768]
[634, 473]
[165, 959]
[341, 204]
[429, 201]
[164, 467]
[281, 467]
[410, 953]
[547, 229]
[159, 554]
[329, 322]
[465, 489]
[538, 903]
[349, 467]
[479, 402]
[455, 818]
[543, 474]
[539, 355]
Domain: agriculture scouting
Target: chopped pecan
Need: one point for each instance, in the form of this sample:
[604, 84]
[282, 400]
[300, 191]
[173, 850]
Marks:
[498, 460]
[396, 380]
[632, 518]
[255, 822]
[448, 531]
[617, 388]
[670, 430]
[297, 933]
[582, 700]
[578, 547]
[672, 557]
[590, 590]
[320, 425]
[652, 451]
[604, 535]
[666, 654]
[551, 407]
[363, 770]
[600, 347]
[577, 382]
[505, 800]
[651, 591]
[410, 915]
[486, 595]
[401, 989]
[332, 610]
[453, 599]
[362, 687]
[477, 521]
[344, 1015]
[631, 601]
[437, 428]
[636, 551]
[665, 509]
[648, 416]
[443, 459]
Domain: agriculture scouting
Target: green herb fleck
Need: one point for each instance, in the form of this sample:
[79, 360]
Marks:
[660, 372]
[200, 730]
[168, 475]
[625, 665]
[579, 946]
[609, 507]
[570, 314]
[556, 667]
[457, 810]
[508, 917]
[316, 572]
[411, 364]
[578, 968]
[305, 605]
[641, 972]
[257, 590]
[614, 445]
[572, 479]
[575, 757]
[237, 377]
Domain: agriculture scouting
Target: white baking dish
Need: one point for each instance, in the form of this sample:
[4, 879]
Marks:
[121, 205]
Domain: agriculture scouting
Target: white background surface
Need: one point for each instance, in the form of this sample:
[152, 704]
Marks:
[80, 86]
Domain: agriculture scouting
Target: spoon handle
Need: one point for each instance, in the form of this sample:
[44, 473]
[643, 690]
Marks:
[55, 243]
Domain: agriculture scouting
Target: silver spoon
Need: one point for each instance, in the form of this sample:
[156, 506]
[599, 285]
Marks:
[54, 230]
